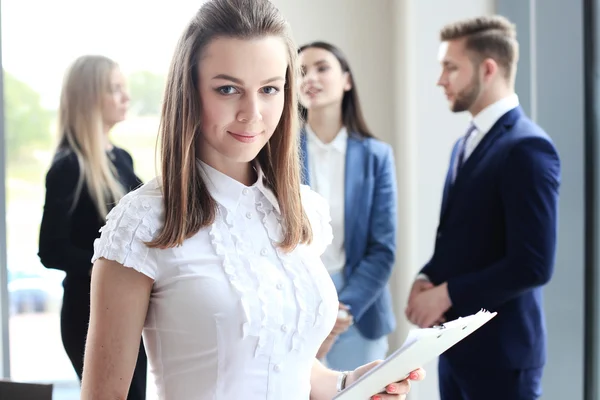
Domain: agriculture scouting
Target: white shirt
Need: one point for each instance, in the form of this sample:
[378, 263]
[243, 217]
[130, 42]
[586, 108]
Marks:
[327, 168]
[230, 315]
[485, 120]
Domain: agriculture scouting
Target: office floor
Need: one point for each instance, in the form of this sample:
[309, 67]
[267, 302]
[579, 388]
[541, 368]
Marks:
[37, 355]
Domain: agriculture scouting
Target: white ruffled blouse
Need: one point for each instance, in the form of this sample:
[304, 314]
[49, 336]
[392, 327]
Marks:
[230, 315]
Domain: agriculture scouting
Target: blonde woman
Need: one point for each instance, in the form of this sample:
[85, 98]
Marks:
[87, 177]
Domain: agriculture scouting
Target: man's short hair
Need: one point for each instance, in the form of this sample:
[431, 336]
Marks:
[492, 37]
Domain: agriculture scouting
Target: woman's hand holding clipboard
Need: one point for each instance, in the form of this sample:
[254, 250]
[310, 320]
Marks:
[420, 347]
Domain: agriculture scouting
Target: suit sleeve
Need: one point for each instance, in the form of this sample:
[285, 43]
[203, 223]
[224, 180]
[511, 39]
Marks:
[425, 271]
[55, 247]
[529, 188]
[373, 272]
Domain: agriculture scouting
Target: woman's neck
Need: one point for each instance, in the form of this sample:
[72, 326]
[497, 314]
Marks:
[242, 172]
[326, 123]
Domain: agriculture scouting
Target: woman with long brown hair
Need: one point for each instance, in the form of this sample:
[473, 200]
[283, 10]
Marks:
[87, 177]
[218, 260]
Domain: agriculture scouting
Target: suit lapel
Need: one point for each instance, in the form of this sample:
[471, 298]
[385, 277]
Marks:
[448, 181]
[354, 177]
[500, 127]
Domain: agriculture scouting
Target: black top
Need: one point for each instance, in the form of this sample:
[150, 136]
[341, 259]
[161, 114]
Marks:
[67, 234]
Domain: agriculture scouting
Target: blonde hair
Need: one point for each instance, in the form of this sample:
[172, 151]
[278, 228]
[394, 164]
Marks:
[187, 203]
[81, 129]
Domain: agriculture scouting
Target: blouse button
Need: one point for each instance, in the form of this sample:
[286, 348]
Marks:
[284, 328]
[245, 191]
[263, 252]
[280, 286]
[277, 368]
[249, 215]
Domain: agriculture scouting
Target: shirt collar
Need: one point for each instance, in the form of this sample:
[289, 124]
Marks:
[485, 120]
[339, 143]
[228, 192]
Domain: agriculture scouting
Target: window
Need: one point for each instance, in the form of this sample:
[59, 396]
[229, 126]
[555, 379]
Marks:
[39, 40]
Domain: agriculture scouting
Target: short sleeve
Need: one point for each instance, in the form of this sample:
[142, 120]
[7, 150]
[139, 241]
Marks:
[317, 211]
[129, 226]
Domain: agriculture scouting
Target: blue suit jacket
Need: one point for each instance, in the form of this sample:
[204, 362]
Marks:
[496, 242]
[369, 232]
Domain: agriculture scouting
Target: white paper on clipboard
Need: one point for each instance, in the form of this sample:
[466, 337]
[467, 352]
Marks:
[420, 347]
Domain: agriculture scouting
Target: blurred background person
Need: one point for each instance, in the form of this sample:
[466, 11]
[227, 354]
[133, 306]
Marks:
[88, 175]
[356, 174]
[496, 239]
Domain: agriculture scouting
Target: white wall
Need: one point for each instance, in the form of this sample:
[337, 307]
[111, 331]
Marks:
[392, 48]
[361, 29]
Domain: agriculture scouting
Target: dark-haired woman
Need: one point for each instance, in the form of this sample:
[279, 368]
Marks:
[355, 173]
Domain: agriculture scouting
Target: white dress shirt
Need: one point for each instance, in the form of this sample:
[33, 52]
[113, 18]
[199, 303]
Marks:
[484, 121]
[230, 314]
[327, 168]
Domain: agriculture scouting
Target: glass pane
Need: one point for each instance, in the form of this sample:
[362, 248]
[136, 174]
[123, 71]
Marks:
[33, 69]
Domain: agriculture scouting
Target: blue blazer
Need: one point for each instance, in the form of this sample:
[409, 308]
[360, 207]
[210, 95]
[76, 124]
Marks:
[369, 232]
[496, 242]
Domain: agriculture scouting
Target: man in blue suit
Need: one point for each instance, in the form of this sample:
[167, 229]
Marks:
[496, 238]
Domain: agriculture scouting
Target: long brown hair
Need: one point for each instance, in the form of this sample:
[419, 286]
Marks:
[187, 203]
[81, 129]
[352, 115]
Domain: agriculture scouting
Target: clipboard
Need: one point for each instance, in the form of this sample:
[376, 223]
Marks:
[420, 347]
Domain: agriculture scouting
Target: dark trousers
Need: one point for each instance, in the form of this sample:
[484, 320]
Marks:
[74, 320]
[488, 383]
